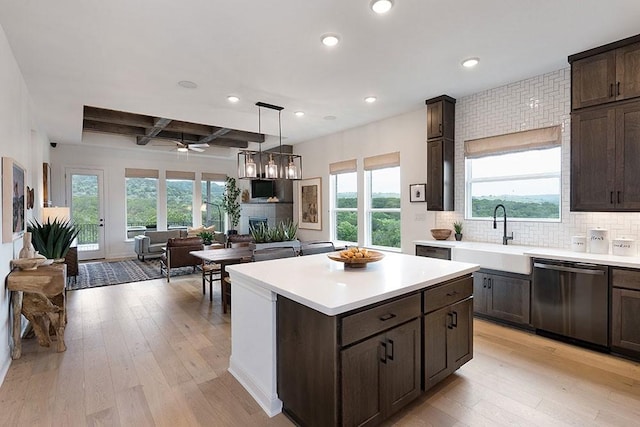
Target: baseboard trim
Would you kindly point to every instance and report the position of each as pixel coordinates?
(271, 405)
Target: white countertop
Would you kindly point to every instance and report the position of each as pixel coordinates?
(325, 285)
(539, 252)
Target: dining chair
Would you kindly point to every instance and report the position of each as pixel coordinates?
(311, 248)
(211, 272)
(225, 285)
(273, 253)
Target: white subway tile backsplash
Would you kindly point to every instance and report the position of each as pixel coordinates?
(528, 104)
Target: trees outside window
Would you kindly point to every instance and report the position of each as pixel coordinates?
(383, 207)
(142, 199)
(344, 207)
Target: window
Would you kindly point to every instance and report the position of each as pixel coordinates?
(383, 211)
(179, 199)
(212, 190)
(383, 200)
(142, 199)
(344, 207)
(526, 182)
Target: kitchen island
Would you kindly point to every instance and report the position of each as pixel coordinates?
(318, 317)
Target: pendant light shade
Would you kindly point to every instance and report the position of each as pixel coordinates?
(278, 165)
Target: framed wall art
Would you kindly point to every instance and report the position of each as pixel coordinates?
(417, 193)
(13, 200)
(309, 203)
(46, 184)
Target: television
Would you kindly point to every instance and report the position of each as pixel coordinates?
(262, 189)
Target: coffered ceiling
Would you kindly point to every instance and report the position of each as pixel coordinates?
(129, 56)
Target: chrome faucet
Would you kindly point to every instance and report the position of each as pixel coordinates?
(505, 238)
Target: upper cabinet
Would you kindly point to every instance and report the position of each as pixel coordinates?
(605, 127)
(606, 74)
(440, 153)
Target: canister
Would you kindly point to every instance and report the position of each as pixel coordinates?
(579, 243)
(624, 247)
(598, 241)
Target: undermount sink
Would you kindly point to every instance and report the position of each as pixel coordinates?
(495, 257)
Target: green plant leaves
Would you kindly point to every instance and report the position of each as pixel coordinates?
(52, 239)
(285, 231)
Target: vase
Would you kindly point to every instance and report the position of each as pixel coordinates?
(458, 236)
(27, 251)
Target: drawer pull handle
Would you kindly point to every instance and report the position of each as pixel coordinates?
(450, 294)
(387, 316)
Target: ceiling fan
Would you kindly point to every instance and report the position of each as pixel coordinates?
(183, 147)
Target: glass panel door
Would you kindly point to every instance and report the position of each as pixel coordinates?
(85, 196)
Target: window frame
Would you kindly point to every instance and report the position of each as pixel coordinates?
(369, 211)
(126, 202)
(334, 209)
(206, 183)
(193, 195)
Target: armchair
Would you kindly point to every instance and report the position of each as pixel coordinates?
(177, 254)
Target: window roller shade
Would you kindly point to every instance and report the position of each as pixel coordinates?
(181, 175)
(207, 176)
(346, 166)
(141, 173)
(382, 161)
(536, 139)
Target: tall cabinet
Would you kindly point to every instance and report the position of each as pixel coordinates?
(440, 153)
(605, 127)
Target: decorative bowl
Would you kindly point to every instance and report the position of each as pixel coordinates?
(440, 233)
(357, 262)
(29, 263)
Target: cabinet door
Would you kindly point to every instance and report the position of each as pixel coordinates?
(509, 298)
(436, 363)
(592, 80)
(625, 319)
(627, 195)
(440, 173)
(361, 382)
(460, 343)
(628, 72)
(480, 293)
(435, 122)
(593, 160)
(402, 366)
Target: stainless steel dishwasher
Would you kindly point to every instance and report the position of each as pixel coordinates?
(571, 300)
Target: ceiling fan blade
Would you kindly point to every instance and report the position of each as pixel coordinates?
(203, 145)
(196, 149)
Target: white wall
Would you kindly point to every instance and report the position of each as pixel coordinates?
(405, 133)
(532, 103)
(113, 162)
(20, 140)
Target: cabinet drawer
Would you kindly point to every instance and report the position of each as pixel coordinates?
(447, 294)
(369, 322)
(625, 279)
(433, 252)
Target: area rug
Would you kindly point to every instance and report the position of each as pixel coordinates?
(95, 274)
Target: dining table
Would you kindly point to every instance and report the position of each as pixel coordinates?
(224, 257)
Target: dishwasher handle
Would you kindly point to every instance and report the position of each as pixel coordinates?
(593, 272)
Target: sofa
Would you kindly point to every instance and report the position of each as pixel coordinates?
(151, 243)
(219, 238)
(178, 254)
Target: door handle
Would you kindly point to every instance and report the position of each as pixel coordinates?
(618, 90)
(390, 356)
(611, 90)
(619, 197)
(484, 282)
(611, 197)
(384, 352)
(450, 316)
(454, 319)
(489, 280)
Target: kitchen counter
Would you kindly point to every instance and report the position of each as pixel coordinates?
(533, 252)
(324, 285)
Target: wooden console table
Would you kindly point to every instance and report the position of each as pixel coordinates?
(39, 295)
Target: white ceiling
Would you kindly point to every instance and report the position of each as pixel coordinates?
(129, 55)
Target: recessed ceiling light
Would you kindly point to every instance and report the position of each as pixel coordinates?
(187, 84)
(183, 149)
(470, 62)
(299, 113)
(330, 39)
(233, 98)
(370, 99)
(381, 6)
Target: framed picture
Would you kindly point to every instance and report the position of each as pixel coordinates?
(13, 200)
(417, 193)
(46, 185)
(309, 204)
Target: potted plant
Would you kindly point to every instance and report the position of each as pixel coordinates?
(206, 236)
(53, 239)
(457, 227)
(230, 203)
(283, 234)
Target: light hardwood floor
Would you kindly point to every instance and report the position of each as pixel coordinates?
(152, 353)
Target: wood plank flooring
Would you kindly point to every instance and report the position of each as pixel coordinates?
(156, 354)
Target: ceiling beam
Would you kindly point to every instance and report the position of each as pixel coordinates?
(158, 124)
(93, 126)
(117, 117)
(215, 135)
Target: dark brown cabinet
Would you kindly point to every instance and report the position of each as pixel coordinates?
(440, 153)
(605, 146)
(606, 74)
(502, 296)
(381, 375)
(447, 330)
(433, 252)
(625, 311)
